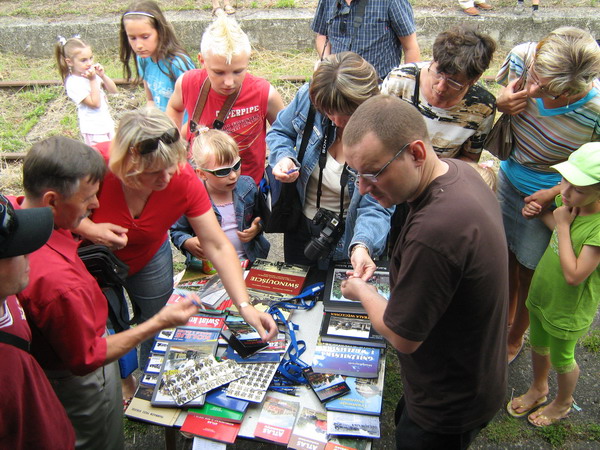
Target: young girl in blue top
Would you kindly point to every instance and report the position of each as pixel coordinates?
(233, 196)
(159, 57)
(565, 289)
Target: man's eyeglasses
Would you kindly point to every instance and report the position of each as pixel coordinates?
(151, 145)
(372, 177)
(224, 171)
(449, 81)
(532, 76)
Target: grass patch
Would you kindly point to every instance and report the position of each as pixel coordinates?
(556, 435)
(285, 4)
(20, 113)
(591, 342)
(506, 430)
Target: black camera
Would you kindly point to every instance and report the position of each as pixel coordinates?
(332, 228)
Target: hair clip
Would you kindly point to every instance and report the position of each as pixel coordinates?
(61, 40)
(139, 13)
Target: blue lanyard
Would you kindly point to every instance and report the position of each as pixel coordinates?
(291, 367)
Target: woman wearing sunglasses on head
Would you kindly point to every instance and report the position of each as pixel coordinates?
(555, 112)
(149, 186)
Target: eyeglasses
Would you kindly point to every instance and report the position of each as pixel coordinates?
(344, 12)
(372, 177)
(151, 145)
(224, 171)
(531, 75)
(449, 81)
(8, 220)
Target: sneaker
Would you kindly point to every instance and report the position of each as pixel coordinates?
(471, 11)
(536, 16)
(520, 9)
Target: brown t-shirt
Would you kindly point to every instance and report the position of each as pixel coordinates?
(449, 273)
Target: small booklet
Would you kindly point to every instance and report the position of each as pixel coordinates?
(310, 431)
(352, 425)
(243, 338)
(276, 420)
(327, 386)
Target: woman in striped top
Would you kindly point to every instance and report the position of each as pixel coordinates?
(555, 112)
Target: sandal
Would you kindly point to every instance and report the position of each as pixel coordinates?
(510, 410)
(548, 421)
(229, 9)
(214, 11)
(126, 403)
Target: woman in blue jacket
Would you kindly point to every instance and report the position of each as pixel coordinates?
(340, 84)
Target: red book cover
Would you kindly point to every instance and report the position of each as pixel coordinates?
(217, 430)
(205, 322)
(276, 420)
(277, 277)
(263, 280)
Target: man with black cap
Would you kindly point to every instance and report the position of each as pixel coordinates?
(31, 415)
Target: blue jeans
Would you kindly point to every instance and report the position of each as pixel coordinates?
(150, 288)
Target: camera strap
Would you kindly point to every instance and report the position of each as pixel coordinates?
(323, 162)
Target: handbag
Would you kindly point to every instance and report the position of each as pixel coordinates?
(500, 141)
(286, 207)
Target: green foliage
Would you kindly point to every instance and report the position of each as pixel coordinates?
(591, 342)
(506, 429)
(285, 4)
(254, 4)
(556, 435)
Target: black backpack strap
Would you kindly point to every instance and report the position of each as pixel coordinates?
(15, 341)
(415, 99)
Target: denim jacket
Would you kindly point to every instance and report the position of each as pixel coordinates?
(244, 197)
(367, 222)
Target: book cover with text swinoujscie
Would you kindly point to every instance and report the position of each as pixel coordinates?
(276, 420)
(350, 329)
(334, 301)
(276, 277)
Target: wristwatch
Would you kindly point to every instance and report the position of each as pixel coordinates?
(359, 245)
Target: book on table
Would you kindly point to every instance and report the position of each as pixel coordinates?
(242, 337)
(326, 386)
(177, 354)
(310, 430)
(334, 301)
(350, 329)
(359, 425)
(276, 420)
(346, 360)
(213, 429)
(365, 396)
(140, 408)
(211, 411)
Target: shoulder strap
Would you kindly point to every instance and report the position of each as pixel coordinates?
(201, 101)
(306, 134)
(415, 99)
(358, 20)
(15, 341)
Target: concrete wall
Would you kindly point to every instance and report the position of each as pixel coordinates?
(279, 29)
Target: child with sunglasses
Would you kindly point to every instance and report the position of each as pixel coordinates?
(233, 197)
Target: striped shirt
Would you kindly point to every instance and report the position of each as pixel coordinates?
(544, 136)
(377, 39)
(463, 126)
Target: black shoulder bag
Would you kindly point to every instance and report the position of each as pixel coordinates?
(286, 208)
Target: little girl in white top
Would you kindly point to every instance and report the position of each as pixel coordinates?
(83, 82)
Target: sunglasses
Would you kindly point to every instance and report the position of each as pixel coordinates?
(151, 145)
(224, 171)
